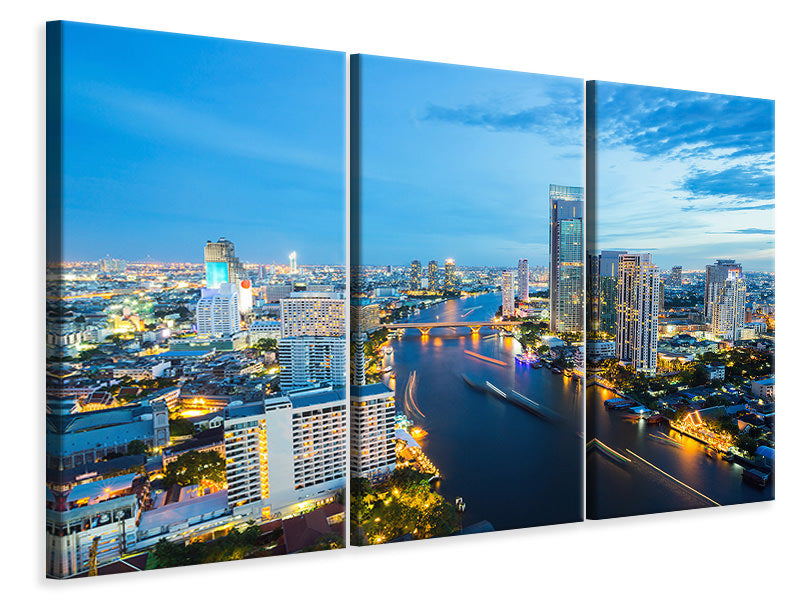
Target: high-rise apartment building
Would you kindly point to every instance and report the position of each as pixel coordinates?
(222, 265)
(716, 276)
(638, 285)
(372, 424)
(293, 263)
(313, 313)
(508, 293)
(285, 453)
(523, 280)
(433, 275)
(416, 274)
(217, 312)
(450, 279)
(312, 361)
(566, 258)
(727, 308)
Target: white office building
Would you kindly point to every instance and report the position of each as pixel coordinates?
(218, 311)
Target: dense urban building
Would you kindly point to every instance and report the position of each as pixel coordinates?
(433, 275)
(222, 265)
(313, 313)
(450, 277)
(416, 274)
(728, 307)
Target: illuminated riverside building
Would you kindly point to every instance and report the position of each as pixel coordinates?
(307, 361)
(638, 287)
(416, 273)
(313, 313)
(727, 307)
(508, 293)
(364, 318)
(286, 453)
(716, 276)
(566, 258)
(523, 280)
(222, 265)
(217, 312)
(433, 275)
(450, 279)
(372, 424)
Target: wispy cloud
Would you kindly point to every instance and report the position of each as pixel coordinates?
(743, 182)
(658, 121)
(560, 120)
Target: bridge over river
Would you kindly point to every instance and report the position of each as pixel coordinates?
(475, 326)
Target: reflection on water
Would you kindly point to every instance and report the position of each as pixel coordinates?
(511, 467)
(668, 471)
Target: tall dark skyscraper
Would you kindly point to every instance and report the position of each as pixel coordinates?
(416, 273)
(450, 279)
(566, 258)
(433, 275)
(523, 280)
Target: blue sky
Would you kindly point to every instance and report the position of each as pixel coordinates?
(171, 140)
(457, 161)
(688, 176)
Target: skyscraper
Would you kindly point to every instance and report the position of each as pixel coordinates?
(676, 276)
(508, 293)
(566, 258)
(716, 276)
(638, 286)
(433, 275)
(217, 312)
(416, 273)
(293, 263)
(222, 265)
(450, 279)
(727, 308)
(523, 279)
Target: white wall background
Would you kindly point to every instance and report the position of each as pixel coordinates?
(732, 47)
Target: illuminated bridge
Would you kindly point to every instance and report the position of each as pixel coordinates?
(475, 326)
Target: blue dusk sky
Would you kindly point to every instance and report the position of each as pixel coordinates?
(171, 140)
(688, 176)
(457, 161)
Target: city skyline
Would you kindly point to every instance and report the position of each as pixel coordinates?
(686, 176)
(450, 152)
(191, 138)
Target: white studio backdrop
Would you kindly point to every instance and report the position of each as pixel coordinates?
(733, 47)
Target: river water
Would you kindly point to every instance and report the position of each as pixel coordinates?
(510, 467)
(634, 488)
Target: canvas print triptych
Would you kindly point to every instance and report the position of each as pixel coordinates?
(558, 303)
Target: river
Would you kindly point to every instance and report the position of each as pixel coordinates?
(635, 488)
(510, 467)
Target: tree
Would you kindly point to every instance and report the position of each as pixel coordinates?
(180, 427)
(137, 447)
(195, 467)
(266, 344)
